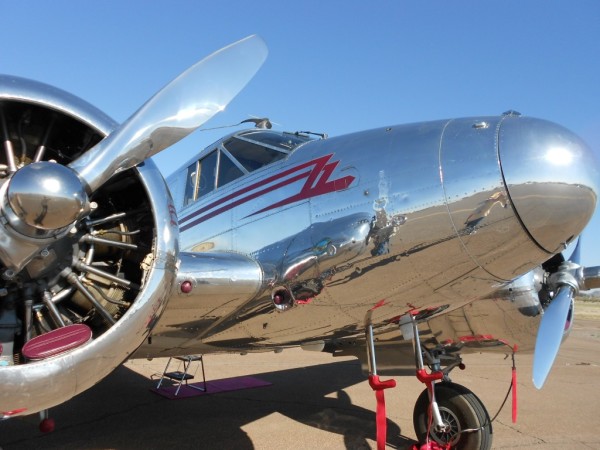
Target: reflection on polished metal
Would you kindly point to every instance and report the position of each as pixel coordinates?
(175, 111)
(17, 89)
(490, 235)
(412, 235)
(456, 225)
(44, 198)
(178, 109)
(552, 179)
(47, 196)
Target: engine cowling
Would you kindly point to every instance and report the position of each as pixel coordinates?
(112, 273)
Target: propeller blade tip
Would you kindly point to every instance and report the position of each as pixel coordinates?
(550, 334)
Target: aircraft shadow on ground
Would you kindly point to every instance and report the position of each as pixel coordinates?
(121, 413)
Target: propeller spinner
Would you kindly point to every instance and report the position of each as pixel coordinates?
(46, 196)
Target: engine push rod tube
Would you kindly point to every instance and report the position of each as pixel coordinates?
(73, 280)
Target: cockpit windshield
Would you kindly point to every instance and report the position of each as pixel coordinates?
(283, 141)
(242, 153)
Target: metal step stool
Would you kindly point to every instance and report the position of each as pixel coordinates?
(182, 374)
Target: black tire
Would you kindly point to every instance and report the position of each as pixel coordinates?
(461, 410)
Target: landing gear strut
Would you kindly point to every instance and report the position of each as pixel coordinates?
(446, 413)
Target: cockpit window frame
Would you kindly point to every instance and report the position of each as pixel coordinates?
(192, 194)
(233, 159)
(298, 139)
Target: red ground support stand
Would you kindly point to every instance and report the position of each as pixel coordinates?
(381, 418)
(378, 386)
(429, 380)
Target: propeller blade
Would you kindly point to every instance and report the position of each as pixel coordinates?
(175, 111)
(576, 255)
(550, 334)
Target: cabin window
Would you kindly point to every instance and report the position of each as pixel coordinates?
(208, 174)
(228, 171)
(191, 184)
(201, 178)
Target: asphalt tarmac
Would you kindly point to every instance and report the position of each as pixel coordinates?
(318, 402)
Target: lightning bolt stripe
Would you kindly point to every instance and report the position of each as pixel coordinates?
(317, 183)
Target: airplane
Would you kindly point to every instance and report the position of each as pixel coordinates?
(406, 246)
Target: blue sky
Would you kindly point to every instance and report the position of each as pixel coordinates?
(333, 67)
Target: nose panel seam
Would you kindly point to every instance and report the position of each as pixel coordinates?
(447, 203)
(506, 189)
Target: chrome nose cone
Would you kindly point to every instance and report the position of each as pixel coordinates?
(552, 177)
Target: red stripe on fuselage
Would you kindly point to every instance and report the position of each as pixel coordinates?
(320, 174)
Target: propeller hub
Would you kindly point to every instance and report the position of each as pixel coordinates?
(47, 196)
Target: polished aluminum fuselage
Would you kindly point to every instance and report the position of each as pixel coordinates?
(454, 224)
(399, 219)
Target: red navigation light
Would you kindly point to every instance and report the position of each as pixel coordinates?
(186, 287)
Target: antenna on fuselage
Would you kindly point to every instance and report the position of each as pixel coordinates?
(263, 123)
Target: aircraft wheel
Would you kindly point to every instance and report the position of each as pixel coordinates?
(460, 410)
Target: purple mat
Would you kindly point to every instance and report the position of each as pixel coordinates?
(212, 387)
